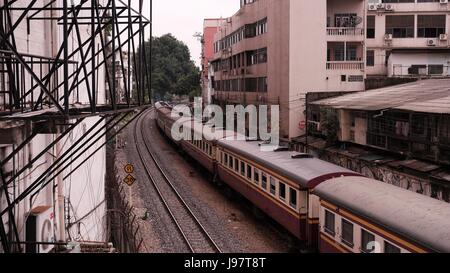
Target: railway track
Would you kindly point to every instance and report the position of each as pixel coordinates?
(194, 234)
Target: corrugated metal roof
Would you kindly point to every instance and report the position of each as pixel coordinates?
(420, 218)
(428, 96)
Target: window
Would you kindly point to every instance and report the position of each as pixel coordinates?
(370, 58)
(236, 165)
(367, 241)
(330, 223)
(430, 26)
(389, 248)
(273, 186)
(347, 233)
(256, 176)
(371, 27)
(242, 168)
(226, 160)
(249, 172)
(231, 162)
(293, 198)
(282, 192)
(351, 54)
(436, 69)
(400, 26)
(264, 181)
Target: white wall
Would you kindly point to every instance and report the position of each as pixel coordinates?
(408, 59)
(86, 187)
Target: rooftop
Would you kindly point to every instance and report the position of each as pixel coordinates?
(426, 96)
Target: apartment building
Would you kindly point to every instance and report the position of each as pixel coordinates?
(276, 51)
(210, 28)
(408, 38)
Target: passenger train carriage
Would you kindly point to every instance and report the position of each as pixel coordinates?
(329, 207)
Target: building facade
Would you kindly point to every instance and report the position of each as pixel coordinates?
(210, 28)
(275, 52)
(408, 38)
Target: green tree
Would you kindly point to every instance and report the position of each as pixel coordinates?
(173, 71)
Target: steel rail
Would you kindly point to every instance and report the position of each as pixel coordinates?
(190, 213)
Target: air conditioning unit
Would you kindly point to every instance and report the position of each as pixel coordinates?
(381, 6)
(423, 71)
(40, 228)
(443, 37)
(431, 42)
(372, 7)
(443, 1)
(388, 37)
(389, 7)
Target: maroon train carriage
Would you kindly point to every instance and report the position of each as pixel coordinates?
(277, 182)
(360, 215)
(203, 147)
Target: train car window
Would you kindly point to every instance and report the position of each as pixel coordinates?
(282, 191)
(293, 198)
(273, 186)
(330, 223)
(210, 150)
(249, 172)
(225, 158)
(236, 165)
(389, 248)
(264, 181)
(347, 233)
(231, 162)
(242, 168)
(256, 176)
(367, 241)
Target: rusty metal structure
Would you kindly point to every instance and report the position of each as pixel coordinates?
(42, 94)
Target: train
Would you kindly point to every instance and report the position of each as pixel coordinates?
(328, 208)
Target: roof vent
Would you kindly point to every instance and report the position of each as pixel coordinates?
(265, 143)
(281, 149)
(301, 156)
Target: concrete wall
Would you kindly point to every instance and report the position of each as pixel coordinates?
(307, 54)
(399, 63)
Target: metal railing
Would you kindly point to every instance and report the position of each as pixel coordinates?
(345, 65)
(399, 70)
(345, 31)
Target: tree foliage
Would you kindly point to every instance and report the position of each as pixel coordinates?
(173, 71)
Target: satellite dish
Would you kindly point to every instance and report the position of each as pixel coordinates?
(356, 20)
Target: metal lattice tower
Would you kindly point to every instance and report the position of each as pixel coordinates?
(56, 92)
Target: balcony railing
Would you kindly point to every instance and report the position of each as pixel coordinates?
(399, 70)
(345, 31)
(345, 65)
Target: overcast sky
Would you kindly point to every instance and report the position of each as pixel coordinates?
(183, 18)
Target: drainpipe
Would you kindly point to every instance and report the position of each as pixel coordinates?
(60, 187)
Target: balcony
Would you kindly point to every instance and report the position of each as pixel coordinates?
(345, 65)
(345, 31)
(339, 34)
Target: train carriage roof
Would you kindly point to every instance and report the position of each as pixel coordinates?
(307, 172)
(211, 133)
(417, 217)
